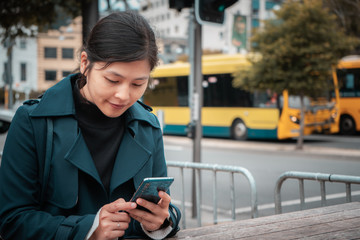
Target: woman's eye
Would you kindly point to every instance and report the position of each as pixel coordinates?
(110, 80)
(138, 84)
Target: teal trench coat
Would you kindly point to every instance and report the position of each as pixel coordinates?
(74, 192)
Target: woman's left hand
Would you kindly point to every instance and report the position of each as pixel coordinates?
(153, 220)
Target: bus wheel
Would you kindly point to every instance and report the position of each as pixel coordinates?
(347, 125)
(239, 130)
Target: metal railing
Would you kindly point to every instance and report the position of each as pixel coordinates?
(198, 167)
(321, 177)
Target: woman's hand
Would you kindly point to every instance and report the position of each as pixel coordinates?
(153, 220)
(113, 220)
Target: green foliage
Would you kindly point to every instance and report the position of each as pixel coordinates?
(347, 13)
(297, 50)
(18, 18)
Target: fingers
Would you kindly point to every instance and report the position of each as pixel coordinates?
(113, 219)
(165, 199)
(110, 230)
(119, 205)
(164, 202)
(152, 220)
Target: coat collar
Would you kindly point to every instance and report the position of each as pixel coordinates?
(58, 101)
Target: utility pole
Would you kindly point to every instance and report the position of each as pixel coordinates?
(9, 78)
(201, 12)
(90, 15)
(196, 97)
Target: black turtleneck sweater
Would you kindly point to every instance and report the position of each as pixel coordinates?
(102, 135)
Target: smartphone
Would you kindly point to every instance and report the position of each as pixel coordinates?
(150, 187)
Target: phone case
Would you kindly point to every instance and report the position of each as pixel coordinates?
(150, 187)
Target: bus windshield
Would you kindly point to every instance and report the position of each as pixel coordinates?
(294, 102)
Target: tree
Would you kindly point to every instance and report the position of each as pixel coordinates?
(18, 17)
(295, 52)
(26, 18)
(347, 13)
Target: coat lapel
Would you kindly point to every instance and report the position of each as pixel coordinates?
(129, 161)
(80, 157)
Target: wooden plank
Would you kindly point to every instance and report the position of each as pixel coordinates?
(275, 223)
(284, 230)
(339, 235)
(351, 227)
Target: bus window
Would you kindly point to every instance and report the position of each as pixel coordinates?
(265, 99)
(219, 92)
(172, 89)
(349, 82)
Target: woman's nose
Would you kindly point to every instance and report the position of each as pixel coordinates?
(122, 92)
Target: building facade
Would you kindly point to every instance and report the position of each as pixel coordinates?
(40, 62)
(172, 27)
(23, 64)
(58, 53)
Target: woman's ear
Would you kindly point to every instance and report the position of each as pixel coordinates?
(83, 62)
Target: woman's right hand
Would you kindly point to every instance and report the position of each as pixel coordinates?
(113, 220)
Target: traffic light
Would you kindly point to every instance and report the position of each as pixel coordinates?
(212, 10)
(180, 4)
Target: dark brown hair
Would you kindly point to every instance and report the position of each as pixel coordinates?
(120, 37)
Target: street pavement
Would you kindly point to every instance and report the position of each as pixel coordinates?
(286, 147)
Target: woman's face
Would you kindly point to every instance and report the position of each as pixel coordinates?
(117, 87)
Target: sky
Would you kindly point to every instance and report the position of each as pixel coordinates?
(118, 4)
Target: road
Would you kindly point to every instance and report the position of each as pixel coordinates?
(267, 160)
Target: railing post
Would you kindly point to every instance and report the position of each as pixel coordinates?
(198, 195)
(214, 197)
(232, 196)
(348, 192)
(323, 193)
(183, 197)
(302, 194)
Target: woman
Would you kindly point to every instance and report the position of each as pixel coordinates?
(72, 160)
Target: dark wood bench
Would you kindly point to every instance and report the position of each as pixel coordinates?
(332, 222)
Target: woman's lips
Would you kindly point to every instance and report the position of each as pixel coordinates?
(117, 106)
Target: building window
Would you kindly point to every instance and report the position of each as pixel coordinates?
(66, 73)
(50, 52)
(23, 72)
(68, 53)
(23, 43)
(50, 75)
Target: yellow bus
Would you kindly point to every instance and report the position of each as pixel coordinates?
(232, 112)
(347, 75)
